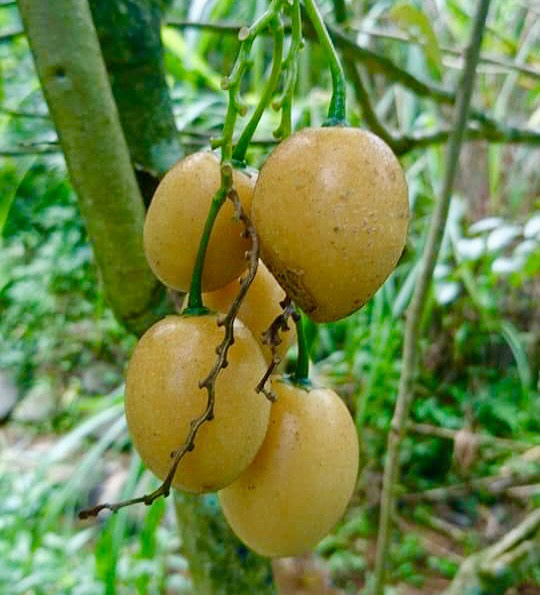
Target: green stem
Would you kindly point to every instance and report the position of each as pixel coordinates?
(337, 109)
(301, 374)
(290, 67)
(195, 303)
(240, 150)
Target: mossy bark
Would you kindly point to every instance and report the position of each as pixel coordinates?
(74, 80)
(219, 563)
(129, 34)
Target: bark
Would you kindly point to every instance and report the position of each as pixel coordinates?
(129, 34)
(74, 80)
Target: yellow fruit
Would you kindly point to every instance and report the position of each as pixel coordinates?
(259, 308)
(331, 210)
(302, 478)
(163, 397)
(175, 221)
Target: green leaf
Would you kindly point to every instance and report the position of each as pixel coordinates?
(416, 23)
(6, 201)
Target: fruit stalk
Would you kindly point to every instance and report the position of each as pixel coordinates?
(414, 314)
(235, 106)
(301, 374)
(239, 153)
(337, 108)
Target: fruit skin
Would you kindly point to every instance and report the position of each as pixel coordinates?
(259, 308)
(331, 210)
(163, 397)
(302, 478)
(175, 221)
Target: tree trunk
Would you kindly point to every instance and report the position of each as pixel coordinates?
(129, 34)
(219, 563)
(73, 77)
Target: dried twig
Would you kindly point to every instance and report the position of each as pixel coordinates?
(209, 382)
(272, 338)
(495, 484)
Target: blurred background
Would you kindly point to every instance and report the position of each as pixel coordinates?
(470, 463)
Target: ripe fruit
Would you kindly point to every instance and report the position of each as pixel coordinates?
(302, 478)
(175, 221)
(259, 308)
(163, 397)
(331, 209)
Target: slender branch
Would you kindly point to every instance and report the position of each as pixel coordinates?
(494, 484)
(430, 430)
(11, 34)
(29, 151)
(21, 114)
(432, 546)
(423, 283)
(368, 111)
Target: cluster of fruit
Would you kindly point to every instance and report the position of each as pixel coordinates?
(331, 211)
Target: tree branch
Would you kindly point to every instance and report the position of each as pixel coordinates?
(419, 298)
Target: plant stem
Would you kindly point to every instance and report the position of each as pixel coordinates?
(239, 153)
(301, 374)
(290, 67)
(195, 305)
(337, 109)
(232, 84)
(415, 310)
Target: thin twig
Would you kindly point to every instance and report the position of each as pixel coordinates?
(29, 151)
(9, 35)
(495, 484)
(430, 430)
(22, 114)
(419, 298)
(209, 383)
(272, 338)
